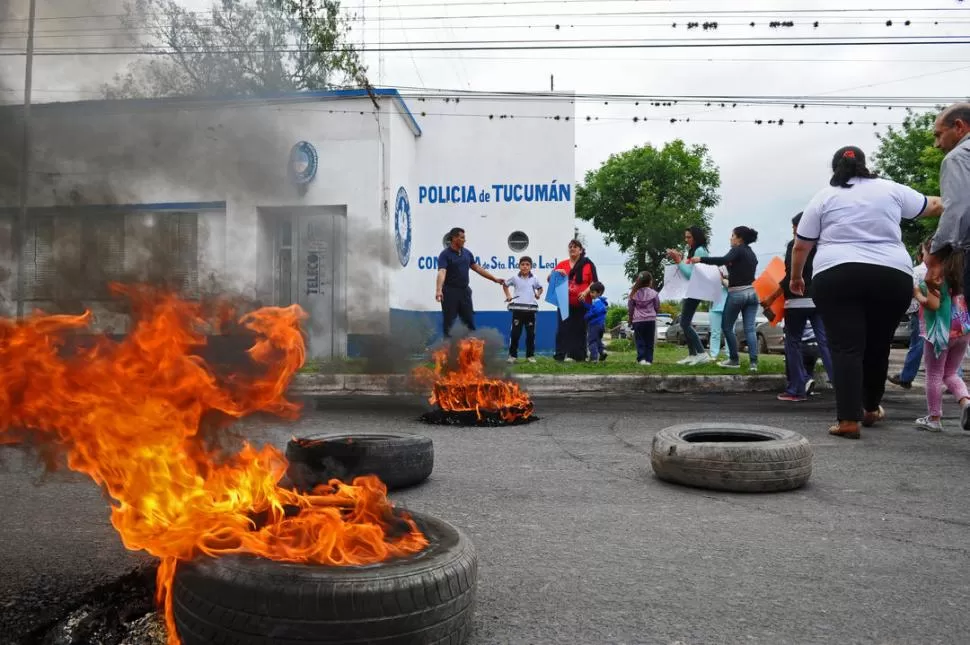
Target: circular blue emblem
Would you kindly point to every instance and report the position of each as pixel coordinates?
(303, 162)
(402, 226)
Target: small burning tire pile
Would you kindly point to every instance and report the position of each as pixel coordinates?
(739, 458)
(398, 460)
(424, 599)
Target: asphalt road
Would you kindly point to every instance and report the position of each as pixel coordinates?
(579, 543)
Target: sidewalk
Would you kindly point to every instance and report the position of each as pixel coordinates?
(573, 385)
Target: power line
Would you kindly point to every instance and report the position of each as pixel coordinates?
(653, 44)
(738, 12)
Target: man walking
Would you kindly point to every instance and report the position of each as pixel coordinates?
(951, 134)
(451, 289)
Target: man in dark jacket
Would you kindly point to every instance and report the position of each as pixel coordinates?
(798, 311)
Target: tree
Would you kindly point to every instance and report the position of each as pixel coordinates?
(239, 48)
(907, 156)
(644, 198)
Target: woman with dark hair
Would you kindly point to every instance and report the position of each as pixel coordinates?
(863, 278)
(571, 333)
(742, 300)
(696, 240)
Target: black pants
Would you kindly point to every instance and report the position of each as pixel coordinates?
(645, 335)
(571, 335)
(526, 319)
(861, 305)
(456, 302)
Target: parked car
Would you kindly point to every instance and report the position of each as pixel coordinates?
(663, 322)
(701, 324)
(623, 330)
(901, 337)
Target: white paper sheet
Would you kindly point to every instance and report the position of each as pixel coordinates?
(675, 284)
(705, 283)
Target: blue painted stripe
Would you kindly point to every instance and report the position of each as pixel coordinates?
(429, 322)
(160, 206)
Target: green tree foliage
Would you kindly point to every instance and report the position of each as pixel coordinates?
(615, 315)
(907, 156)
(237, 48)
(644, 198)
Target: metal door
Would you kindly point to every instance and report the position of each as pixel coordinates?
(313, 245)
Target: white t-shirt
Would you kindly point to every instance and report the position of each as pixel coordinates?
(524, 289)
(919, 274)
(861, 223)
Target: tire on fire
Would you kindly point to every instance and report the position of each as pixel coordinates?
(423, 599)
(732, 457)
(399, 460)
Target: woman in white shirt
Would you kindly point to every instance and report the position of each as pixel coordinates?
(863, 278)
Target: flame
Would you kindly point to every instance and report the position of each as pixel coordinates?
(128, 415)
(461, 385)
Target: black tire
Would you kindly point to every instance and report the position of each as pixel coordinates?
(399, 460)
(242, 600)
(737, 457)
(762, 344)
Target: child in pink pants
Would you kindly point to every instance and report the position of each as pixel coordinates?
(945, 326)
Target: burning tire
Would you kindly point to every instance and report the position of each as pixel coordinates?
(424, 599)
(398, 460)
(740, 458)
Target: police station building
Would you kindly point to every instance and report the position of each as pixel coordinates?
(337, 201)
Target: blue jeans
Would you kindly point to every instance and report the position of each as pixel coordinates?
(717, 318)
(744, 303)
(594, 339)
(798, 375)
(687, 311)
(915, 354)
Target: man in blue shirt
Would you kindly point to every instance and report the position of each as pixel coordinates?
(452, 289)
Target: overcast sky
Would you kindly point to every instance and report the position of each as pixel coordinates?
(768, 172)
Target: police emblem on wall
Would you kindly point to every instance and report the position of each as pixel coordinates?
(303, 163)
(402, 226)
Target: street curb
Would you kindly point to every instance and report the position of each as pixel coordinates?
(573, 385)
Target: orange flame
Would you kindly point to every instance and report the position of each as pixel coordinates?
(462, 386)
(128, 415)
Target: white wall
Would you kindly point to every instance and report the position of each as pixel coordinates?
(462, 146)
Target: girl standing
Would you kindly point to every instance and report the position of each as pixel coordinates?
(717, 318)
(642, 308)
(696, 240)
(945, 327)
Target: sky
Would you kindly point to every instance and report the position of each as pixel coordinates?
(768, 172)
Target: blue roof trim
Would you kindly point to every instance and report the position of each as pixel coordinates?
(160, 206)
(388, 92)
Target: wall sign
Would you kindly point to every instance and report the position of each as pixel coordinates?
(303, 162)
(402, 226)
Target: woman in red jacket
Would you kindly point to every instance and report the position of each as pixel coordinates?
(571, 334)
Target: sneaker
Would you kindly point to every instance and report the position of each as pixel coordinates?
(870, 419)
(794, 398)
(810, 387)
(895, 380)
(642, 363)
(701, 359)
(687, 361)
(603, 356)
(753, 367)
(531, 359)
(929, 425)
(511, 359)
(570, 360)
(729, 364)
(965, 416)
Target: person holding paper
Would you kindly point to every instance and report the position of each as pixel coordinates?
(696, 240)
(742, 300)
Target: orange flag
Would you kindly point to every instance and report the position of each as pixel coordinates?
(768, 283)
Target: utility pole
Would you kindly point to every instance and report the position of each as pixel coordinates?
(25, 166)
(552, 82)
